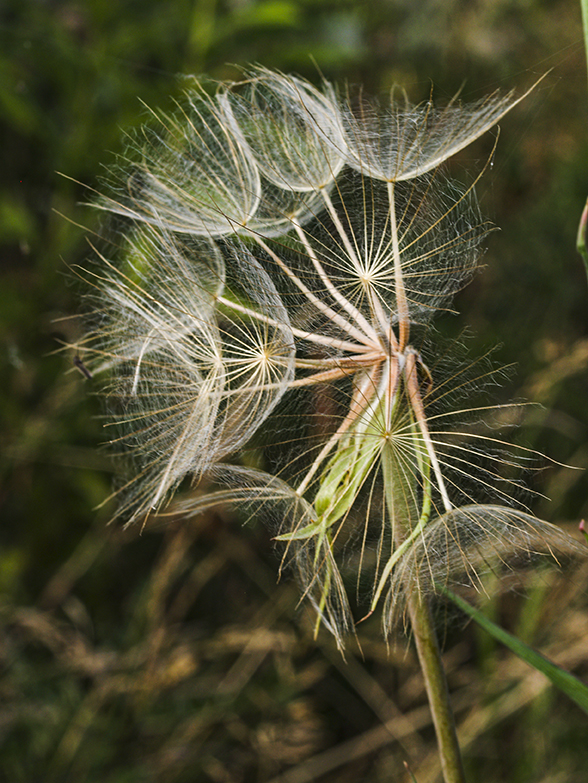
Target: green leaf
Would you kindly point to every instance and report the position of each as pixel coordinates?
(275, 13)
(563, 680)
(17, 223)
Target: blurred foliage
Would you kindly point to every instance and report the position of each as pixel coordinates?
(174, 656)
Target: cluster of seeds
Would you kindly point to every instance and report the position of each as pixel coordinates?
(278, 241)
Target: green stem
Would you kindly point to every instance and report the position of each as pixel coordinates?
(582, 240)
(436, 685)
(581, 243)
(398, 496)
(584, 7)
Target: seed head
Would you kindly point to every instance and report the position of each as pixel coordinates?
(281, 246)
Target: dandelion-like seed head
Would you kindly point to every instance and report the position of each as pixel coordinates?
(400, 142)
(187, 173)
(292, 129)
(282, 246)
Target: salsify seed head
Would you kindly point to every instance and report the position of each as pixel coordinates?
(281, 256)
(292, 130)
(398, 142)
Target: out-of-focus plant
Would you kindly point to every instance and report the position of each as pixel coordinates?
(283, 252)
(582, 241)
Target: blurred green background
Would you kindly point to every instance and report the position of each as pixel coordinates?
(175, 655)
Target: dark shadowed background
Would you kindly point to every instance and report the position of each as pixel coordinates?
(176, 655)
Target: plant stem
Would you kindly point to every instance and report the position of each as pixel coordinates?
(584, 7)
(582, 228)
(404, 514)
(436, 685)
(581, 241)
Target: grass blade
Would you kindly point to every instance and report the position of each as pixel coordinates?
(566, 682)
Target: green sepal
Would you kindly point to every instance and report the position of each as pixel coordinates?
(344, 476)
(304, 532)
